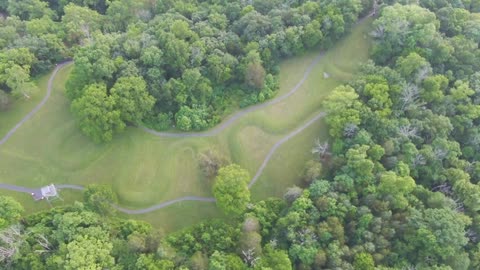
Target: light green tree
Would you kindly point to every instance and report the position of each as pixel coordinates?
(273, 259)
(97, 115)
(363, 261)
(231, 190)
(100, 198)
(10, 211)
(86, 252)
(395, 187)
(343, 107)
(132, 99)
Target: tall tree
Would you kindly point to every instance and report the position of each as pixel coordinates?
(100, 198)
(231, 190)
(97, 115)
(132, 99)
(86, 252)
(343, 108)
(10, 211)
(80, 23)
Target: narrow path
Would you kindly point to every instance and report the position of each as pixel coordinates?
(186, 198)
(39, 105)
(230, 120)
(17, 188)
(208, 133)
(279, 143)
(162, 205)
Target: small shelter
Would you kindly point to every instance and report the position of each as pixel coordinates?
(48, 193)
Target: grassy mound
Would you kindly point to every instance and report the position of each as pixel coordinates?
(144, 169)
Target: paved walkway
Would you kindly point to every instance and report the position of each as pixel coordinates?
(18, 188)
(231, 119)
(182, 199)
(38, 107)
(162, 205)
(212, 132)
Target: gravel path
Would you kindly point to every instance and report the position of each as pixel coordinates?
(212, 132)
(39, 105)
(208, 133)
(229, 121)
(162, 205)
(186, 198)
(119, 208)
(279, 143)
(17, 188)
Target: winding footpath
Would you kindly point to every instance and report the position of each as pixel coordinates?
(39, 105)
(229, 121)
(212, 132)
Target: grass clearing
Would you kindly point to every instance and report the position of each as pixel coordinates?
(145, 170)
(180, 215)
(22, 107)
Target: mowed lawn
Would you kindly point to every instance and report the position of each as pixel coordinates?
(20, 108)
(144, 169)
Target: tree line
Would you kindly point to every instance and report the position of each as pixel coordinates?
(189, 62)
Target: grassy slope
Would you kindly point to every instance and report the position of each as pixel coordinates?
(340, 63)
(22, 107)
(144, 169)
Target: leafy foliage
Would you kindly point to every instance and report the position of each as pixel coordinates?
(400, 189)
(10, 211)
(97, 114)
(230, 189)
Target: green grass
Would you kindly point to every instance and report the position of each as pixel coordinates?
(21, 107)
(180, 215)
(144, 169)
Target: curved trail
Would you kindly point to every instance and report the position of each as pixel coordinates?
(162, 205)
(39, 105)
(212, 132)
(17, 188)
(208, 133)
(232, 118)
(186, 198)
(279, 143)
(229, 121)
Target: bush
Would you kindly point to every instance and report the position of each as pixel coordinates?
(311, 171)
(211, 161)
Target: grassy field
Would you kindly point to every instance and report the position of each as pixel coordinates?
(144, 169)
(22, 107)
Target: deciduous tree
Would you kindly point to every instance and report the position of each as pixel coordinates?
(97, 115)
(10, 211)
(231, 190)
(131, 99)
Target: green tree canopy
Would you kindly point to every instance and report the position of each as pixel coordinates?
(10, 211)
(97, 115)
(231, 190)
(132, 99)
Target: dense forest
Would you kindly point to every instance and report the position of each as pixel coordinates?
(398, 186)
